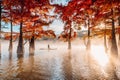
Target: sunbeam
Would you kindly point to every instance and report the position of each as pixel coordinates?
(99, 54)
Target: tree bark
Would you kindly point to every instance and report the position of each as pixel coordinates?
(20, 49)
(32, 46)
(105, 43)
(0, 25)
(114, 49)
(89, 41)
(119, 26)
(11, 39)
(69, 39)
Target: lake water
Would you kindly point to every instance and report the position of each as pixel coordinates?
(58, 64)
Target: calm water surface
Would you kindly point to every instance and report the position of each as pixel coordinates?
(58, 64)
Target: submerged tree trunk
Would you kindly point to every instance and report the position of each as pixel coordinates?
(89, 41)
(11, 39)
(69, 39)
(119, 27)
(32, 46)
(105, 43)
(114, 49)
(20, 48)
(0, 25)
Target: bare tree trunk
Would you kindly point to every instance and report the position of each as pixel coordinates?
(20, 49)
(119, 26)
(11, 39)
(32, 46)
(89, 41)
(105, 43)
(69, 39)
(0, 25)
(114, 49)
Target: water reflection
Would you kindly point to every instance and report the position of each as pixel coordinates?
(76, 64)
(25, 68)
(19, 67)
(102, 64)
(10, 55)
(0, 68)
(20, 55)
(67, 66)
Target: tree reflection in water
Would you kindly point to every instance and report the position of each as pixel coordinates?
(59, 65)
(67, 66)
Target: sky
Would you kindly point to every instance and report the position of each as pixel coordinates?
(56, 26)
(6, 27)
(63, 2)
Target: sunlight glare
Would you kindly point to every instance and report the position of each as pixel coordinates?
(99, 55)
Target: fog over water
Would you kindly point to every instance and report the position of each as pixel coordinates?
(59, 63)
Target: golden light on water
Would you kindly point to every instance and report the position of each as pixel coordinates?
(99, 55)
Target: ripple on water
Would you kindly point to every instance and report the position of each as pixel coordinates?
(55, 65)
